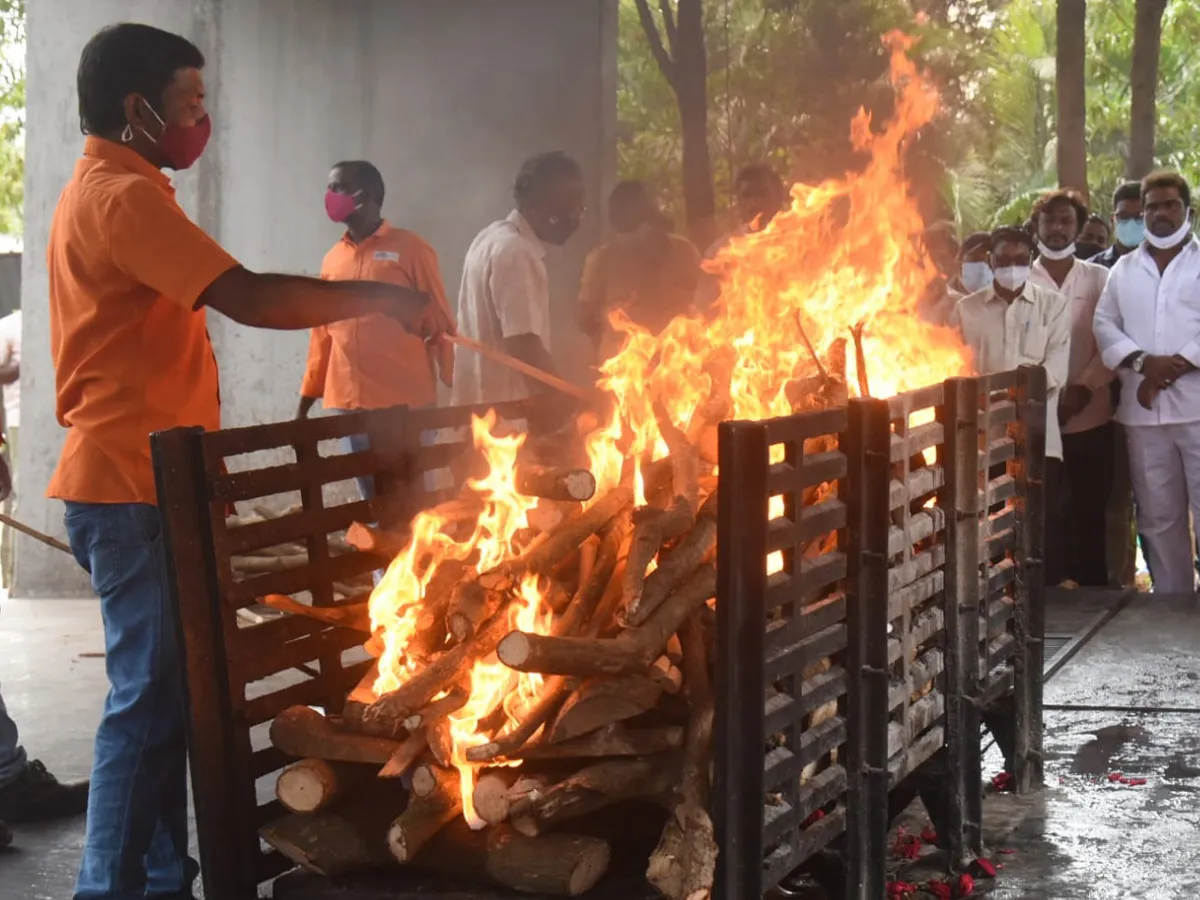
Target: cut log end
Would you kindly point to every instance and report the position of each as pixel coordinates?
(311, 785)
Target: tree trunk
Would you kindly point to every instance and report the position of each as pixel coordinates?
(1143, 86)
(683, 60)
(1072, 95)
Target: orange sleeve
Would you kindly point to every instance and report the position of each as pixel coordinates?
(153, 241)
(427, 276)
(320, 343)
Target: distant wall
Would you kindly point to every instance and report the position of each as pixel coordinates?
(446, 98)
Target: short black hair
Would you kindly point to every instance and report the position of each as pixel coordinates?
(539, 170)
(366, 175)
(629, 192)
(1167, 179)
(128, 59)
(761, 173)
(1010, 233)
(1130, 190)
(1062, 195)
(1101, 221)
(974, 241)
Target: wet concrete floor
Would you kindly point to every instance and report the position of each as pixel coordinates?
(1085, 837)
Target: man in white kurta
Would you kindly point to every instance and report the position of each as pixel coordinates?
(1147, 326)
(1014, 322)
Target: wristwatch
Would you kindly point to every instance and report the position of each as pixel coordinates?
(1138, 362)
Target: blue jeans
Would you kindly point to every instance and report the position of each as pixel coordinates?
(137, 828)
(12, 754)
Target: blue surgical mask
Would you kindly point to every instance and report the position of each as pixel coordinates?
(976, 276)
(1130, 232)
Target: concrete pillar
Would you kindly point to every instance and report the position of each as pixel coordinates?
(446, 98)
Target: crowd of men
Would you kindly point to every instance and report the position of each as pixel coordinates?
(131, 280)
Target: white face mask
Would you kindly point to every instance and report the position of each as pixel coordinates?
(976, 276)
(1065, 252)
(1166, 243)
(1012, 278)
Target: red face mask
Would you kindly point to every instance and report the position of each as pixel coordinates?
(181, 145)
(339, 207)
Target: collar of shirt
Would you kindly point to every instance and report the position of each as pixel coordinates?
(127, 158)
(992, 296)
(380, 233)
(526, 231)
(1146, 260)
(1073, 274)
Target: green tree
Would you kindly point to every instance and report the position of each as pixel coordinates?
(12, 115)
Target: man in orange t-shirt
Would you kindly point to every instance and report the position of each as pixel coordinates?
(130, 280)
(372, 362)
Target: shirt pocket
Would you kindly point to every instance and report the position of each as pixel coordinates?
(1034, 338)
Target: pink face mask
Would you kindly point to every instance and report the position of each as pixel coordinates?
(181, 145)
(339, 207)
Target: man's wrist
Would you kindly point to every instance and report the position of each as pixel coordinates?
(1134, 361)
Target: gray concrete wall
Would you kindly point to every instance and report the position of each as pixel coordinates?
(446, 98)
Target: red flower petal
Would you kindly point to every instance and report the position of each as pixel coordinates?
(896, 890)
(1007, 852)
(1003, 782)
(928, 835)
(1116, 776)
(966, 885)
(939, 889)
(1135, 782)
(817, 816)
(986, 869)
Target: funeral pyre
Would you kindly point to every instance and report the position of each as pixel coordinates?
(543, 641)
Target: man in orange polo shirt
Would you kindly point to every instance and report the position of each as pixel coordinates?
(130, 279)
(372, 362)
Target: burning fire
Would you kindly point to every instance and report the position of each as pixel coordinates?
(847, 254)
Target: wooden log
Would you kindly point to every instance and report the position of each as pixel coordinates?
(554, 693)
(314, 784)
(451, 667)
(437, 710)
(634, 651)
(355, 616)
(674, 650)
(697, 546)
(594, 787)
(589, 550)
(553, 865)
(649, 535)
(616, 739)
(430, 634)
(544, 555)
(555, 483)
(305, 733)
(685, 460)
(667, 676)
(441, 742)
(406, 755)
(497, 789)
(601, 701)
(470, 606)
(349, 837)
(591, 591)
(253, 565)
(425, 816)
(683, 866)
(428, 779)
(558, 864)
(386, 545)
(547, 516)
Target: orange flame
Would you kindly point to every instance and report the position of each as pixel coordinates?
(847, 253)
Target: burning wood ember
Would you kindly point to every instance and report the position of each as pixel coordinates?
(540, 639)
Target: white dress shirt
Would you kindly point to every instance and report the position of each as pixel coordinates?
(505, 292)
(1082, 287)
(1033, 330)
(1159, 314)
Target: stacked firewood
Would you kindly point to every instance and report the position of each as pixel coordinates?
(625, 708)
(624, 712)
